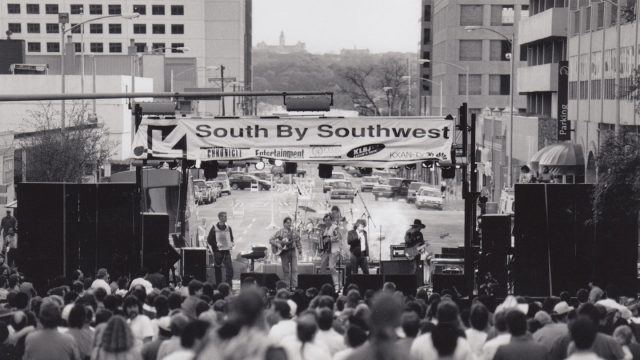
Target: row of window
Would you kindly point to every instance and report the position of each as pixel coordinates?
(94, 9)
(471, 50)
(501, 15)
(593, 17)
(114, 47)
(54, 28)
(600, 89)
(498, 84)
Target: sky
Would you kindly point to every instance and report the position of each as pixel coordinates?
(327, 26)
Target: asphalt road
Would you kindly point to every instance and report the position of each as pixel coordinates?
(255, 216)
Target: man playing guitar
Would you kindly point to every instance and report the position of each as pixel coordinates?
(286, 243)
(415, 245)
(329, 247)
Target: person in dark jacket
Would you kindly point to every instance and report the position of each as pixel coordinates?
(221, 241)
(359, 247)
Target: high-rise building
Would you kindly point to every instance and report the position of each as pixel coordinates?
(484, 53)
(425, 87)
(216, 32)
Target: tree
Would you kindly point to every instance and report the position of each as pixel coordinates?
(63, 155)
(358, 84)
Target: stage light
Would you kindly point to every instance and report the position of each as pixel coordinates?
(278, 162)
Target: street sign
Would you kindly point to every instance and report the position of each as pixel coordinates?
(63, 18)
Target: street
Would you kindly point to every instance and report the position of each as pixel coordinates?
(255, 215)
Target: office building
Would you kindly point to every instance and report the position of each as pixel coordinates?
(425, 87)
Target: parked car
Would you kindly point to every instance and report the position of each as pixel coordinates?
(382, 174)
(429, 196)
(223, 185)
(353, 171)
(245, 182)
(368, 182)
(214, 190)
(393, 188)
(263, 175)
(335, 176)
(413, 190)
(202, 192)
(342, 189)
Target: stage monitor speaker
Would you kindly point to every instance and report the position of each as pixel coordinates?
(455, 283)
(155, 242)
(306, 281)
(194, 263)
(397, 267)
(405, 283)
(366, 282)
(267, 280)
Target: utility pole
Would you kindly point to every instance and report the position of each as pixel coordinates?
(222, 86)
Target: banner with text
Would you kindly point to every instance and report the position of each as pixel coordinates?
(365, 141)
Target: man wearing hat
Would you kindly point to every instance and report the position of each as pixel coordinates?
(551, 331)
(359, 248)
(414, 243)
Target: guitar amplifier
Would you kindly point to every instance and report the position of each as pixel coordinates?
(444, 266)
(397, 252)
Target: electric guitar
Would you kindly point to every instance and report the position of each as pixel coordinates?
(281, 245)
(419, 249)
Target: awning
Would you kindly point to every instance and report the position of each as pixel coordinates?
(563, 157)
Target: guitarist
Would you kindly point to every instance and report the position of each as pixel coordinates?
(414, 243)
(286, 243)
(359, 248)
(329, 247)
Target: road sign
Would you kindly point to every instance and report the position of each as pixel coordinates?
(63, 18)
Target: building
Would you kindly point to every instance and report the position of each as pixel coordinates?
(593, 59)
(425, 86)
(482, 52)
(216, 32)
(282, 47)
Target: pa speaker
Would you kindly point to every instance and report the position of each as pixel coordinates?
(324, 171)
(194, 263)
(156, 250)
(454, 283)
(398, 267)
(267, 280)
(306, 281)
(290, 168)
(366, 282)
(405, 283)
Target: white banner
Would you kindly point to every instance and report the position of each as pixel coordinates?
(362, 141)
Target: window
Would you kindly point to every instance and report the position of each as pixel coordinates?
(95, 28)
(77, 9)
(139, 28)
(77, 47)
(52, 28)
(475, 84)
(426, 36)
(115, 10)
(53, 47)
(141, 47)
(524, 11)
(523, 53)
(33, 28)
(157, 28)
(15, 28)
(599, 14)
(174, 47)
(498, 50)
(95, 9)
(115, 29)
(177, 29)
(470, 50)
(426, 16)
(33, 47)
(140, 9)
(76, 29)
(502, 15)
(158, 47)
(51, 8)
(96, 47)
(470, 15)
(499, 84)
(157, 9)
(33, 8)
(15, 9)
(115, 47)
(177, 10)
(426, 55)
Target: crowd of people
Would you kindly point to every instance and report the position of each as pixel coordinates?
(147, 318)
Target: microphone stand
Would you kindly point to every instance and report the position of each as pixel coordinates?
(370, 221)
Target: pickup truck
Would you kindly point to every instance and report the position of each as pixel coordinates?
(393, 188)
(336, 176)
(342, 190)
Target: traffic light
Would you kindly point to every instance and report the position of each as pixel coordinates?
(448, 172)
(210, 169)
(137, 114)
(290, 168)
(325, 170)
(308, 103)
(463, 126)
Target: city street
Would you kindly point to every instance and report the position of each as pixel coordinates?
(253, 214)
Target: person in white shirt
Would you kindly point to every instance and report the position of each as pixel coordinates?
(326, 334)
(102, 281)
(140, 324)
(302, 346)
(477, 333)
(490, 347)
(177, 325)
(285, 326)
(190, 340)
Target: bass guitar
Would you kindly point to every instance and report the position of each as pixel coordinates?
(281, 245)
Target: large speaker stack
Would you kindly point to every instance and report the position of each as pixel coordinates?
(495, 247)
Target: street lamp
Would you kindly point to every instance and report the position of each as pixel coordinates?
(432, 82)
(205, 68)
(62, 50)
(511, 41)
(618, 128)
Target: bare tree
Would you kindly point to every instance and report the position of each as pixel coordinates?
(63, 155)
(360, 87)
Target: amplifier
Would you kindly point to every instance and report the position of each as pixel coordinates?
(443, 266)
(397, 252)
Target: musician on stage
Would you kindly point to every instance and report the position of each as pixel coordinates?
(359, 248)
(329, 247)
(414, 243)
(286, 243)
(221, 241)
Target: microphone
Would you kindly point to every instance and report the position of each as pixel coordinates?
(299, 192)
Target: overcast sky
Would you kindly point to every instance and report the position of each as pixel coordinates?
(331, 25)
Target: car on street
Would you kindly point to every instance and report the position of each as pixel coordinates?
(413, 190)
(342, 190)
(223, 185)
(368, 182)
(428, 196)
(239, 182)
(393, 188)
(263, 175)
(335, 176)
(202, 192)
